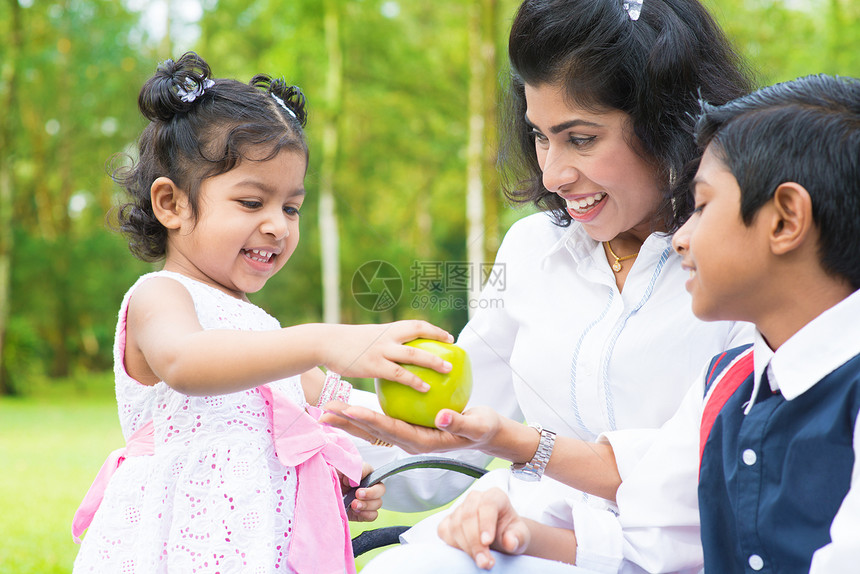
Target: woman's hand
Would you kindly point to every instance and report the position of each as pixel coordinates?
(378, 351)
(368, 501)
(476, 428)
(483, 521)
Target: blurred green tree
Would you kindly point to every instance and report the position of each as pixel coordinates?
(67, 83)
(785, 39)
(392, 146)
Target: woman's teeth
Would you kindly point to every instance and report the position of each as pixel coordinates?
(259, 255)
(583, 204)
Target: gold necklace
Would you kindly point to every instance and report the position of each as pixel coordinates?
(617, 265)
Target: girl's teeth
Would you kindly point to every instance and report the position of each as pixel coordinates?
(260, 255)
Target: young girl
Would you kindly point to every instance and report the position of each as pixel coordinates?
(241, 477)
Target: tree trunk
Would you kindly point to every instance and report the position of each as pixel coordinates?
(165, 47)
(7, 130)
(480, 146)
(329, 238)
(491, 145)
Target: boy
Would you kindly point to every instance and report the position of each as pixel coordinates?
(778, 435)
(774, 240)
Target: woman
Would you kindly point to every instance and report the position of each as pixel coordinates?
(592, 329)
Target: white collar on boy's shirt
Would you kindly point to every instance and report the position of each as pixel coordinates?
(816, 350)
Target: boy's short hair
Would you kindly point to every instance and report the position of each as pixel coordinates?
(805, 131)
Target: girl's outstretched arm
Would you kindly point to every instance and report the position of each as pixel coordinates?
(166, 342)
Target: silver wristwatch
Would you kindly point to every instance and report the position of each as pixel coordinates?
(532, 471)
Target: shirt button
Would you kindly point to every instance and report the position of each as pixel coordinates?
(749, 457)
(756, 562)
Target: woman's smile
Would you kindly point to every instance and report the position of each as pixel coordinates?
(584, 208)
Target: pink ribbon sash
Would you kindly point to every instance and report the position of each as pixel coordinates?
(316, 451)
(140, 443)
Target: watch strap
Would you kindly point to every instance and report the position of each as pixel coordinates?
(533, 470)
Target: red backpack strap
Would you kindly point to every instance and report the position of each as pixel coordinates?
(725, 375)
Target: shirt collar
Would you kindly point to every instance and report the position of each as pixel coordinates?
(762, 357)
(581, 246)
(816, 350)
(567, 236)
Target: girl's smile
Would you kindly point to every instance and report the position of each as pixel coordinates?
(259, 255)
(259, 259)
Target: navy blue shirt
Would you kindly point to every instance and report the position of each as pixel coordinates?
(772, 480)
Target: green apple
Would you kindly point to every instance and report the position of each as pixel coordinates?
(447, 391)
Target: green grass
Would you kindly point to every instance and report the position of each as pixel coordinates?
(51, 446)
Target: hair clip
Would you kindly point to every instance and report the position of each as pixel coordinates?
(633, 8)
(284, 105)
(193, 90)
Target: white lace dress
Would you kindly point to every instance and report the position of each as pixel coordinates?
(213, 497)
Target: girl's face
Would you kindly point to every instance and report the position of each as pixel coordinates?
(586, 158)
(248, 225)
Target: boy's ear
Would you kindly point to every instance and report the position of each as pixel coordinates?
(169, 203)
(792, 218)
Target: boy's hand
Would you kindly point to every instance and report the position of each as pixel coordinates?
(368, 501)
(483, 521)
(378, 351)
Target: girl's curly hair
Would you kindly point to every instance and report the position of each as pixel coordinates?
(200, 127)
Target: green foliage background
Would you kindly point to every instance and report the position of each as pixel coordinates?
(70, 71)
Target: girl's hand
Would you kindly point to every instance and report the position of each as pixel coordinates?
(367, 501)
(378, 351)
(477, 428)
(483, 521)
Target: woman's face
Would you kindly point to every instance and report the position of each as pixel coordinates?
(587, 160)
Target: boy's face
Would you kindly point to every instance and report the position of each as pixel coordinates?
(727, 260)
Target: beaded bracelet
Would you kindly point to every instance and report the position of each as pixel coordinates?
(334, 389)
